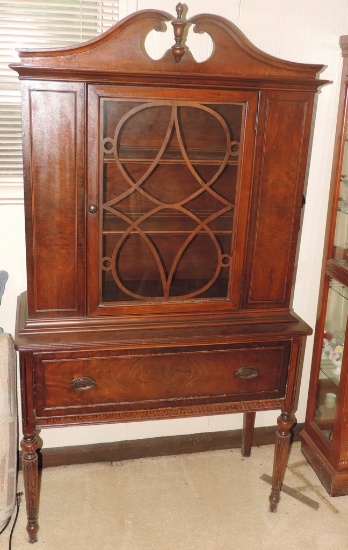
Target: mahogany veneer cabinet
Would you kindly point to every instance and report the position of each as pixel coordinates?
(163, 203)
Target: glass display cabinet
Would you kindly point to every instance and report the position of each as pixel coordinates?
(163, 208)
(325, 436)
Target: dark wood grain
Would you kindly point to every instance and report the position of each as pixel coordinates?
(29, 446)
(248, 432)
(163, 202)
(281, 453)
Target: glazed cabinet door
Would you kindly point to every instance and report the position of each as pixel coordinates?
(325, 436)
(330, 405)
(339, 254)
(169, 179)
(332, 362)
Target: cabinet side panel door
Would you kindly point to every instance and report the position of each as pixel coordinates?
(282, 142)
(54, 190)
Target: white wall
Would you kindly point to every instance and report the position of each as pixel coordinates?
(291, 29)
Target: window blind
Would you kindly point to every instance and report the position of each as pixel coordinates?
(38, 24)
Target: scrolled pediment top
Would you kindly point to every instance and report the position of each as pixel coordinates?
(121, 50)
(146, 20)
(226, 34)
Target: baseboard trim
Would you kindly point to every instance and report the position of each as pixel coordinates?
(157, 446)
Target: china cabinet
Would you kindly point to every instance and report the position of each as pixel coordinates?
(163, 204)
(325, 436)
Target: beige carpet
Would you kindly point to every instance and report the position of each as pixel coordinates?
(204, 501)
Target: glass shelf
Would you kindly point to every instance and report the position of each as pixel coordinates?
(331, 358)
(339, 288)
(328, 371)
(342, 206)
(341, 231)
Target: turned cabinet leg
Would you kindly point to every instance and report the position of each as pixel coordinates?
(281, 453)
(248, 432)
(29, 446)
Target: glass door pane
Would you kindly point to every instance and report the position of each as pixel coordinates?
(168, 194)
(341, 233)
(331, 358)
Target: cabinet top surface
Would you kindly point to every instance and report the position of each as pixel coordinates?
(121, 51)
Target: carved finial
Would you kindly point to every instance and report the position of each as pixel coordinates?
(179, 25)
(179, 10)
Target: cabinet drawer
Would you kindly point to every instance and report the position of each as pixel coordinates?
(161, 379)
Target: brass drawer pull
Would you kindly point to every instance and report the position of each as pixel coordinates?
(247, 373)
(83, 383)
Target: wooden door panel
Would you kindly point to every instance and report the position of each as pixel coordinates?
(283, 137)
(54, 198)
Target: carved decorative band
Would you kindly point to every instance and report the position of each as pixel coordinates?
(247, 373)
(171, 412)
(83, 383)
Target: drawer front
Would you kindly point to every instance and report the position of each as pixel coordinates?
(142, 381)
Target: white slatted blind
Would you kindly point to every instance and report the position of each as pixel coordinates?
(31, 24)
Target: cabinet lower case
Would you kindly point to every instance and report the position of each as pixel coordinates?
(112, 376)
(335, 480)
